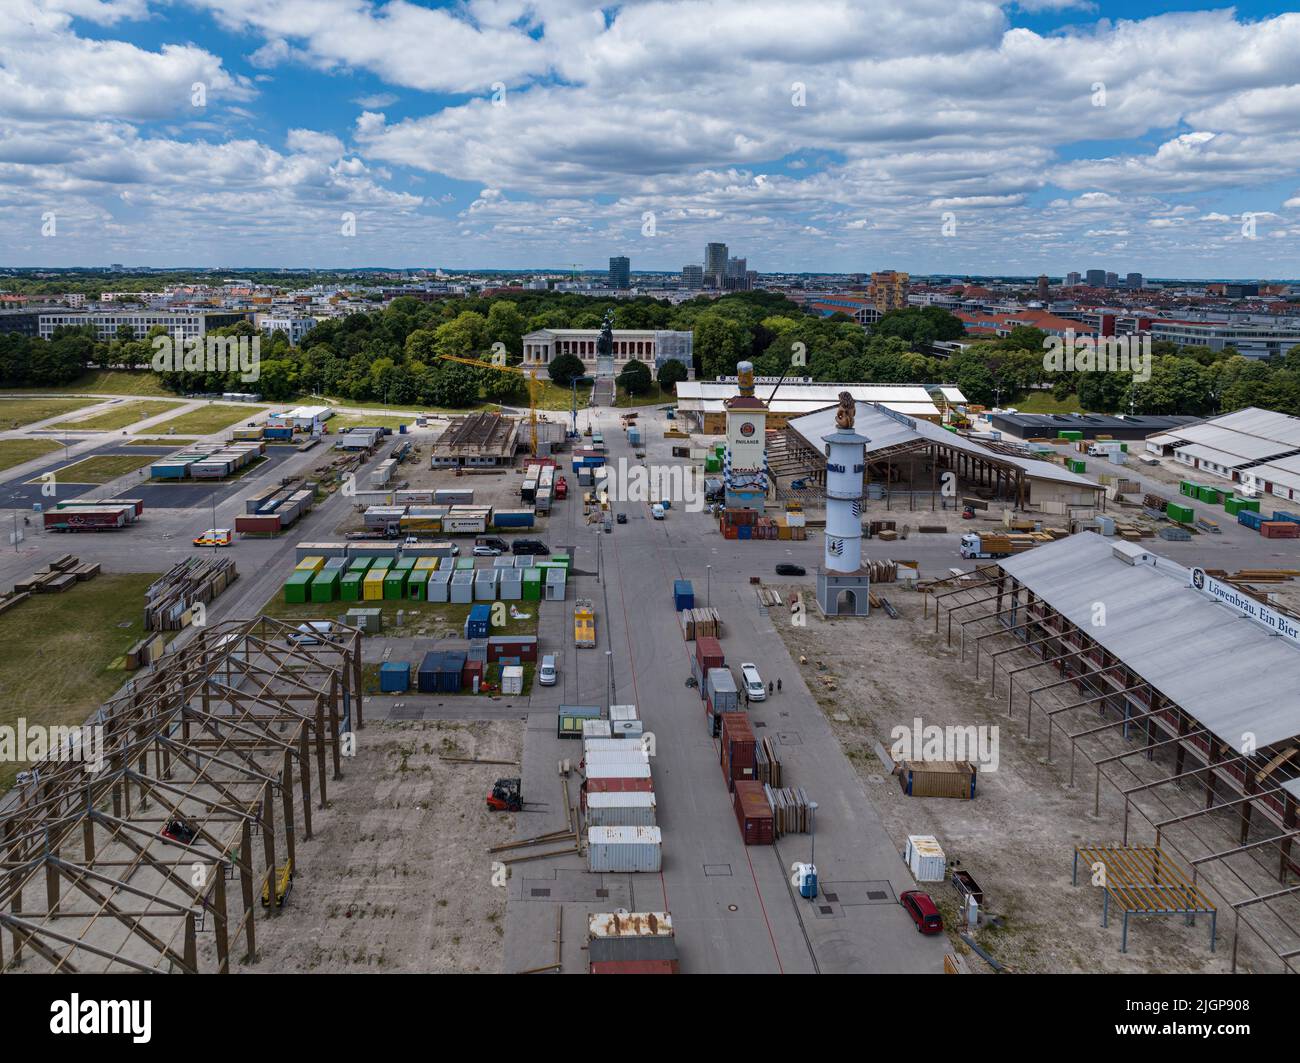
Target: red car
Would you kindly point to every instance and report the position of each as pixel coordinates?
(922, 910)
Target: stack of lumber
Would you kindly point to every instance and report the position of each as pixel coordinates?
(58, 575)
(791, 810)
(1151, 501)
(882, 571)
(700, 623)
(767, 596)
(190, 582)
(767, 763)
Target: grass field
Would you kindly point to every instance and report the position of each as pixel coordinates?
(78, 634)
(363, 420)
(119, 416)
(554, 397)
(101, 468)
(1043, 402)
(16, 451)
(207, 419)
(653, 397)
(108, 382)
(425, 619)
(17, 412)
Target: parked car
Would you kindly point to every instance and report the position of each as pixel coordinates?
(754, 686)
(787, 569)
(547, 673)
(529, 546)
(313, 633)
(486, 551)
(921, 907)
(213, 537)
(657, 511)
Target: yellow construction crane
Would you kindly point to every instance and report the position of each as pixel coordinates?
(529, 375)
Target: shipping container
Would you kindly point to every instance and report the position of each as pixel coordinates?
(513, 518)
(512, 679)
(595, 729)
(636, 967)
(621, 810)
(350, 586)
(753, 814)
(257, 525)
(395, 677)
(624, 785)
(297, 587)
(624, 849)
(479, 622)
(627, 729)
(1182, 514)
(631, 950)
(720, 690)
(1279, 529)
(617, 771)
(630, 925)
(325, 585)
(925, 858)
(938, 778)
(737, 753)
(683, 595)
(623, 712)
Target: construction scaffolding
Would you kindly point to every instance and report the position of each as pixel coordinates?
(155, 857)
(1228, 814)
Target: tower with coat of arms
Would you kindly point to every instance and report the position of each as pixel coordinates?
(842, 584)
(744, 470)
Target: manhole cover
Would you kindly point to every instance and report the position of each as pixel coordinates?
(540, 893)
(826, 909)
(832, 897)
(717, 870)
(875, 895)
(602, 893)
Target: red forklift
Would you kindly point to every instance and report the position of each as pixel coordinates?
(505, 796)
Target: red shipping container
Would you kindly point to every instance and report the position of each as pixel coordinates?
(636, 967)
(708, 652)
(753, 813)
(467, 674)
(269, 523)
(1279, 529)
(738, 754)
(616, 786)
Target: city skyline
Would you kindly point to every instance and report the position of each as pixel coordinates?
(319, 134)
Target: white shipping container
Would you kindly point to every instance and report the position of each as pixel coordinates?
(595, 729)
(617, 771)
(625, 729)
(623, 924)
(622, 712)
(606, 744)
(925, 858)
(620, 849)
(512, 679)
(620, 810)
(630, 757)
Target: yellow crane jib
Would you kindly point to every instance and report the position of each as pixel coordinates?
(528, 374)
(283, 879)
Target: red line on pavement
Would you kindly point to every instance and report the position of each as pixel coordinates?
(763, 908)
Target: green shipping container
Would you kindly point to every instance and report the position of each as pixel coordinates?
(563, 559)
(325, 587)
(1075, 465)
(1232, 504)
(394, 585)
(359, 564)
(383, 563)
(1179, 513)
(1070, 434)
(297, 587)
(712, 464)
(532, 584)
(404, 564)
(350, 586)
(1248, 503)
(1208, 494)
(416, 584)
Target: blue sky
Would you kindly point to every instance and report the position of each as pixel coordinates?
(956, 136)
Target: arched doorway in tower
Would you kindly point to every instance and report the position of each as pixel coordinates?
(846, 603)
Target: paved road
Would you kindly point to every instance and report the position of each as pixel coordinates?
(732, 905)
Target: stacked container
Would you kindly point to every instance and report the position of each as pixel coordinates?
(753, 813)
(721, 697)
(738, 749)
(624, 849)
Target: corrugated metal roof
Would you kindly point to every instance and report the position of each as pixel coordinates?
(885, 431)
(1226, 671)
(708, 396)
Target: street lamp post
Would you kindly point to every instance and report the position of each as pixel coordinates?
(609, 668)
(708, 586)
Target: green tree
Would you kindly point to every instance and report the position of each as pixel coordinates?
(635, 378)
(566, 368)
(671, 373)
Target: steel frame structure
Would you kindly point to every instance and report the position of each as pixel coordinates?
(242, 720)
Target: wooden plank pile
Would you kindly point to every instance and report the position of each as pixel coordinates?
(59, 575)
(700, 623)
(767, 596)
(168, 602)
(791, 809)
(767, 764)
(882, 571)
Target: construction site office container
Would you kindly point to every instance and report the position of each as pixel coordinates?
(510, 585)
(325, 585)
(297, 587)
(312, 563)
(925, 858)
(395, 584)
(485, 585)
(372, 587)
(394, 677)
(350, 586)
(555, 588)
(321, 550)
(337, 564)
(438, 586)
(621, 810)
(569, 720)
(938, 778)
(512, 679)
(359, 564)
(370, 621)
(532, 585)
(382, 564)
(624, 849)
(517, 647)
(462, 587)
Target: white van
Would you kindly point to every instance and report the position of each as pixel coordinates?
(547, 674)
(754, 687)
(657, 511)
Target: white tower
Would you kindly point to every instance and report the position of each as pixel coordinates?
(842, 585)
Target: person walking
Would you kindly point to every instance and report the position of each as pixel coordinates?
(770, 686)
(778, 686)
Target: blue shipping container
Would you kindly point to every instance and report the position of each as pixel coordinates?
(683, 595)
(478, 622)
(394, 677)
(1281, 514)
(1250, 519)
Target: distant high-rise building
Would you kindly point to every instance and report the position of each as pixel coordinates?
(1041, 287)
(888, 290)
(1072, 279)
(715, 263)
(620, 272)
(693, 277)
(1095, 278)
(1133, 280)
(1112, 280)
(736, 270)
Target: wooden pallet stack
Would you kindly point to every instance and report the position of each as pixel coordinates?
(59, 575)
(700, 623)
(767, 767)
(791, 809)
(169, 601)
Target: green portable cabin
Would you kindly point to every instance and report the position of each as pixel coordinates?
(1208, 494)
(417, 584)
(1183, 514)
(1069, 433)
(532, 589)
(350, 586)
(464, 564)
(381, 564)
(325, 586)
(395, 584)
(404, 564)
(1251, 504)
(1188, 488)
(1076, 465)
(359, 564)
(564, 560)
(297, 586)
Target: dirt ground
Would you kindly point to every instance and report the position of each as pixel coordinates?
(1017, 837)
(397, 878)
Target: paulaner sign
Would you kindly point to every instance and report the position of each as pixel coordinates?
(1257, 611)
